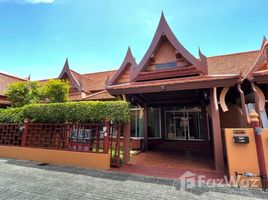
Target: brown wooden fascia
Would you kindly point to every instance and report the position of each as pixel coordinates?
(143, 76)
(228, 82)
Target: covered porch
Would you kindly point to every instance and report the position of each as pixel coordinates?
(178, 117)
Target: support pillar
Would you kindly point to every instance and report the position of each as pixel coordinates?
(145, 129)
(126, 142)
(216, 130)
(255, 123)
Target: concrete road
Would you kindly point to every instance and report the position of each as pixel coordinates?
(30, 180)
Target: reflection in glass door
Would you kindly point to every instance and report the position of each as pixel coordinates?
(154, 123)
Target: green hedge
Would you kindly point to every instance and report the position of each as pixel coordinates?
(11, 115)
(83, 112)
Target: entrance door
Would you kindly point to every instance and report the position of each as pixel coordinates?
(183, 124)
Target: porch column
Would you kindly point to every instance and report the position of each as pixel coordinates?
(145, 128)
(255, 123)
(205, 131)
(126, 142)
(216, 130)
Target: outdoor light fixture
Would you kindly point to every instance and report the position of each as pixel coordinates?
(206, 95)
(163, 87)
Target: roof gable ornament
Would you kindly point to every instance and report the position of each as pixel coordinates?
(66, 71)
(128, 62)
(163, 30)
(260, 61)
(264, 41)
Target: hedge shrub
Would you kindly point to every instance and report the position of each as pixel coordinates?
(12, 115)
(83, 112)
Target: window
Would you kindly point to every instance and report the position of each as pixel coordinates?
(166, 65)
(136, 121)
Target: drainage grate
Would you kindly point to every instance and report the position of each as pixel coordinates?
(43, 164)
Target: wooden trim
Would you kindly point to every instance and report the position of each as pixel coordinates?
(174, 87)
(158, 74)
(243, 104)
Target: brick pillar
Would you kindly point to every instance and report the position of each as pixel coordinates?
(126, 142)
(255, 123)
(25, 132)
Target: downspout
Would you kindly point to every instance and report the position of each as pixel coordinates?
(243, 104)
(256, 101)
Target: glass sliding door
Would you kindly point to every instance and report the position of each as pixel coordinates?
(154, 122)
(183, 123)
(136, 122)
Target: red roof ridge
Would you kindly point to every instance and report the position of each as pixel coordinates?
(100, 72)
(237, 53)
(13, 76)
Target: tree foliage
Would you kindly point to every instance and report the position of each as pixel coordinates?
(56, 90)
(23, 93)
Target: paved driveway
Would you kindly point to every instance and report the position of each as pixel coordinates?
(28, 180)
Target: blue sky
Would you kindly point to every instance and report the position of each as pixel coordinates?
(37, 35)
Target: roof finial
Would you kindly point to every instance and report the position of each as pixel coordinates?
(66, 64)
(264, 40)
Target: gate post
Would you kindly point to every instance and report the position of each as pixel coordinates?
(106, 137)
(255, 123)
(25, 132)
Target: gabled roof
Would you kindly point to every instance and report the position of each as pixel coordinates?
(261, 62)
(129, 62)
(66, 71)
(163, 29)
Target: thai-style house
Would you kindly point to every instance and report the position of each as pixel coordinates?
(183, 102)
(179, 101)
(5, 80)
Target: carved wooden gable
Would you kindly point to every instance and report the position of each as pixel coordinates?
(166, 57)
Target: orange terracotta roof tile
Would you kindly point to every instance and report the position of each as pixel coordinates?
(6, 79)
(232, 63)
(98, 79)
(102, 95)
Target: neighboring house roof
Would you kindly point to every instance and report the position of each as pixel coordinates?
(102, 95)
(6, 79)
(99, 79)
